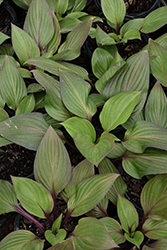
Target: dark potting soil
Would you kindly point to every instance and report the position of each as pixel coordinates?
(139, 7)
(5, 19)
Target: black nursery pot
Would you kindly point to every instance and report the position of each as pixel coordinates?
(156, 5)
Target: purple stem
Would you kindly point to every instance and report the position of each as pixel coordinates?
(28, 216)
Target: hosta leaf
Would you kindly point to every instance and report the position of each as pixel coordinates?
(136, 239)
(118, 108)
(26, 130)
(132, 34)
(27, 105)
(127, 214)
(135, 23)
(78, 5)
(117, 151)
(154, 229)
(143, 135)
(8, 199)
(92, 234)
(54, 239)
(89, 192)
(119, 186)
(3, 37)
(82, 171)
(68, 24)
(75, 39)
(57, 223)
(157, 245)
(6, 49)
(74, 92)
(152, 161)
(3, 115)
(61, 6)
(13, 88)
(76, 125)
(53, 103)
(94, 152)
(24, 46)
(114, 11)
(155, 20)
(101, 55)
(39, 23)
(21, 239)
(25, 73)
(154, 197)
(51, 162)
(133, 76)
(4, 142)
(114, 228)
(33, 196)
(156, 106)
(97, 99)
(64, 245)
(158, 68)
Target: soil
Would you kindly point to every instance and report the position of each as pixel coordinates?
(5, 19)
(139, 7)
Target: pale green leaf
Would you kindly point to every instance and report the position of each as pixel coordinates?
(92, 234)
(51, 162)
(119, 186)
(152, 161)
(157, 245)
(24, 46)
(117, 151)
(145, 134)
(8, 199)
(78, 5)
(33, 196)
(135, 23)
(13, 88)
(76, 125)
(94, 152)
(74, 92)
(132, 34)
(3, 37)
(114, 228)
(3, 115)
(118, 108)
(54, 239)
(39, 23)
(23, 240)
(68, 24)
(97, 99)
(27, 105)
(61, 6)
(26, 130)
(154, 229)
(25, 73)
(64, 245)
(89, 192)
(154, 198)
(57, 223)
(136, 239)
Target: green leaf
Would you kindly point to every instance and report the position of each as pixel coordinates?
(119, 186)
(54, 239)
(21, 239)
(53, 102)
(61, 6)
(39, 23)
(155, 20)
(67, 24)
(154, 229)
(89, 192)
(101, 55)
(118, 108)
(8, 199)
(132, 34)
(57, 223)
(78, 5)
(127, 214)
(93, 234)
(154, 198)
(97, 99)
(82, 171)
(114, 11)
(3, 37)
(75, 39)
(152, 161)
(143, 135)
(25, 73)
(6, 49)
(156, 106)
(158, 68)
(27, 105)
(117, 151)
(74, 92)
(137, 238)
(157, 245)
(114, 229)
(13, 88)
(3, 115)
(51, 162)
(135, 23)
(77, 125)
(24, 46)
(26, 130)
(94, 152)
(33, 196)
(64, 245)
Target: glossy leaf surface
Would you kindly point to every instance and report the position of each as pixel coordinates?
(92, 233)
(33, 196)
(26, 130)
(51, 162)
(89, 192)
(143, 135)
(117, 109)
(154, 197)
